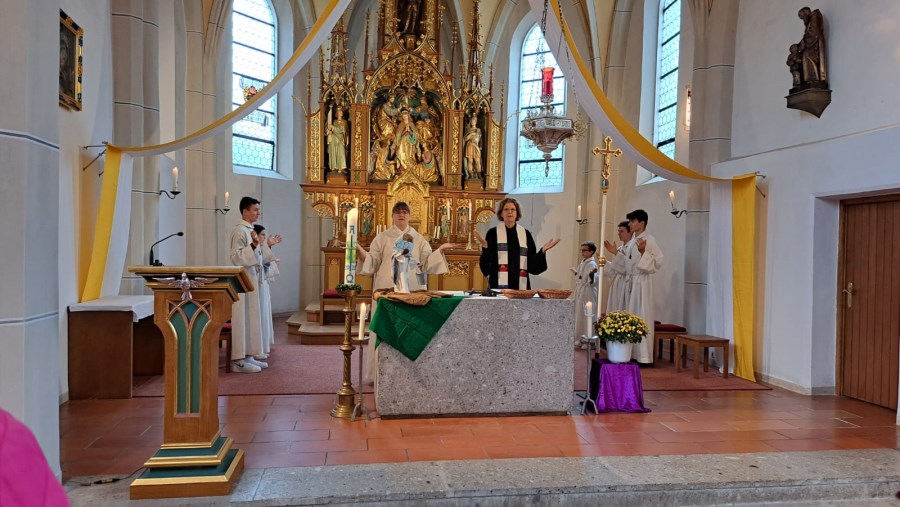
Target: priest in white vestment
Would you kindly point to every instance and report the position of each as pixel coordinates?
(642, 258)
(246, 319)
(378, 261)
(586, 279)
(619, 287)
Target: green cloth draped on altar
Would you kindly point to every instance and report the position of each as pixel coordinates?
(408, 328)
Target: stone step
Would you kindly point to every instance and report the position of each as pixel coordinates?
(313, 333)
(851, 477)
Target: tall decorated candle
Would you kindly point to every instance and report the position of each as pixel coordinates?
(350, 248)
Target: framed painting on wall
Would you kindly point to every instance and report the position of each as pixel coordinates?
(71, 46)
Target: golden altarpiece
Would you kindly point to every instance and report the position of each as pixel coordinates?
(411, 131)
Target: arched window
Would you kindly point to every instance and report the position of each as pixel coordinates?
(253, 58)
(531, 169)
(667, 76)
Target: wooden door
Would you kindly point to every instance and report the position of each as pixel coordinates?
(869, 300)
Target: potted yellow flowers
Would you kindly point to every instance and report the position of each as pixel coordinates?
(621, 330)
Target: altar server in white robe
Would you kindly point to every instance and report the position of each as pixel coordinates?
(377, 261)
(246, 321)
(269, 266)
(586, 279)
(642, 258)
(619, 287)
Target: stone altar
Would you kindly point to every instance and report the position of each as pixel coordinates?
(492, 356)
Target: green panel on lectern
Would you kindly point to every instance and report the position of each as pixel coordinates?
(196, 359)
(189, 319)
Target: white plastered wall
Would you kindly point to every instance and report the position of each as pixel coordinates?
(811, 163)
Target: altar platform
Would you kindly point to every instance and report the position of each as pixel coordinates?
(492, 356)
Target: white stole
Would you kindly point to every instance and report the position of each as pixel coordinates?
(503, 257)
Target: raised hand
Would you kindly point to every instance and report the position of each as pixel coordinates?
(480, 239)
(642, 245)
(274, 240)
(610, 247)
(254, 238)
(445, 246)
(550, 244)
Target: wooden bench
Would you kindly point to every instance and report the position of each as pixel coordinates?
(666, 332)
(111, 339)
(698, 342)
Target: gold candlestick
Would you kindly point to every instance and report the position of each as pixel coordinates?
(346, 395)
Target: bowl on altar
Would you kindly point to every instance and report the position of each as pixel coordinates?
(554, 293)
(519, 294)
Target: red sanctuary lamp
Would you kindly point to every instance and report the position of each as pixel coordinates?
(547, 82)
(543, 127)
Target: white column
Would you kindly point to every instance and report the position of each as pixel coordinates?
(29, 198)
(710, 139)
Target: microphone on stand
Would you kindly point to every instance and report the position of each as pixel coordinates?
(155, 262)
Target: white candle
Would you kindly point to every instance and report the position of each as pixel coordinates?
(588, 314)
(335, 206)
(672, 198)
(470, 214)
(579, 212)
(350, 247)
(356, 202)
(448, 212)
(362, 320)
(227, 195)
(175, 179)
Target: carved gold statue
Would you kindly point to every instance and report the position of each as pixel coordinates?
(338, 140)
(472, 142)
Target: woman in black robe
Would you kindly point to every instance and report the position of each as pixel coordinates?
(509, 212)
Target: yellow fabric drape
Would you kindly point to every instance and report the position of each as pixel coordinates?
(742, 195)
(743, 260)
(103, 229)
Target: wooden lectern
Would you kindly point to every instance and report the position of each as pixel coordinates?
(190, 306)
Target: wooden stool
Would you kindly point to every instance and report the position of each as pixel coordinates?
(225, 336)
(700, 341)
(666, 332)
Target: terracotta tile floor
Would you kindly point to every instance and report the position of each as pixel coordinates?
(110, 437)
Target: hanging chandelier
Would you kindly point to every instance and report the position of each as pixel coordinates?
(543, 127)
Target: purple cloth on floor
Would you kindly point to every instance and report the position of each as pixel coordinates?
(620, 387)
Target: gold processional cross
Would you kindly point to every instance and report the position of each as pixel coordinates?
(608, 152)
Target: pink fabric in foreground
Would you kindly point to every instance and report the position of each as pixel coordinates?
(25, 478)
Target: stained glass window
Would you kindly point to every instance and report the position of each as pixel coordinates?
(253, 64)
(667, 76)
(531, 166)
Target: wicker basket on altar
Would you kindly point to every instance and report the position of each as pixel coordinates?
(518, 294)
(554, 293)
